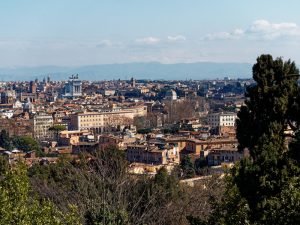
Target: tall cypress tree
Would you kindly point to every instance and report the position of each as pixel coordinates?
(265, 187)
(271, 108)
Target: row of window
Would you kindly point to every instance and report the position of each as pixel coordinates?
(90, 120)
(228, 119)
(89, 116)
(227, 124)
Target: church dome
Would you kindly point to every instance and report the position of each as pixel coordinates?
(171, 95)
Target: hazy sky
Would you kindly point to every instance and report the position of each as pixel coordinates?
(84, 32)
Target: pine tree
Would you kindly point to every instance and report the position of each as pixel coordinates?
(269, 110)
(187, 167)
(265, 187)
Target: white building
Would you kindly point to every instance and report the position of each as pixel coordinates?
(73, 88)
(41, 124)
(221, 119)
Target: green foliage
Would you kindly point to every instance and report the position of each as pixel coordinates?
(187, 167)
(26, 144)
(18, 207)
(294, 153)
(173, 129)
(5, 141)
(168, 183)
(265, 187)
(201, 166)
(195, 221)
(271, 102)
(104, 216)
(56, 129)
(260, 128)
(3, 165)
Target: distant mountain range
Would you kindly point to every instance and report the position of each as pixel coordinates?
(151, 70)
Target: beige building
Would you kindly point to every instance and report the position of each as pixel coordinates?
(121, 143)
(196, 146)
(103, 121)
(152, 154)
(67, 137)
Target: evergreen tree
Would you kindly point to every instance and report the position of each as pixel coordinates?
(26, 144)
(269, 110)
(5, 141)
(56, 129)
(187, 167)
(265, 187)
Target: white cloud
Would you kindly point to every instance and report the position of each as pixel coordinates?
(177, 38)
(259, 30)
(266, 26)
(148, 40)
(238, 32)
(235, 34)
(263, 29)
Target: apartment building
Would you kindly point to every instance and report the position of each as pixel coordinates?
(217, 156)
(41, 124)
(103, 121)
(221, 119)
(152, 154)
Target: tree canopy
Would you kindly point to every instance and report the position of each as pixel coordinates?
(270, 110)
(18, 206)
(5, 141)
(264, 187)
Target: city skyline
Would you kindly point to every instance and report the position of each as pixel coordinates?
(75, 33)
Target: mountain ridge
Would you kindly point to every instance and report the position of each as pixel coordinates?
(138, 70)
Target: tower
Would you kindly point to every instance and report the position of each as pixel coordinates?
(132, 82)
(32, 87)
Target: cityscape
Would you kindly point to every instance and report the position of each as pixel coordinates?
(167, 115)
(153, 113)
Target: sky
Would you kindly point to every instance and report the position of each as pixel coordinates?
(89, 32)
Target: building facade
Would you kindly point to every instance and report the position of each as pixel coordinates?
(221, 119)
(100, 122)
(41, 124)
(72, 88)
(152, 154)
(217, 156)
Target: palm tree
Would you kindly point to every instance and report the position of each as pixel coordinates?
(56, 129)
